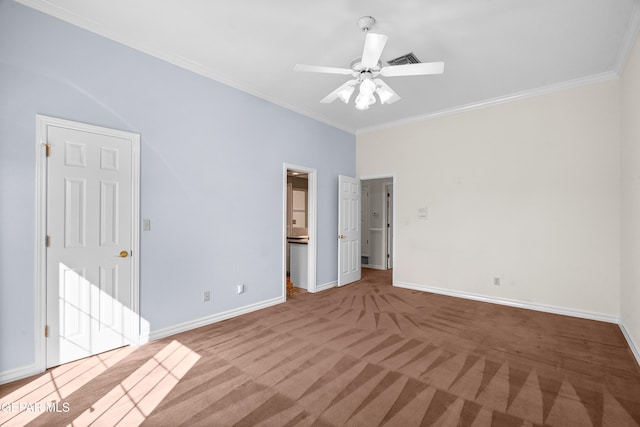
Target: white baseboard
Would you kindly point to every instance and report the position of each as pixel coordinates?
(203, 321)
(18, 373)
(29, 370)
(512, 303)
(632, 345)
(325, 286)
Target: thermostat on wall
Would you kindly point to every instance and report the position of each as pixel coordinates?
(422, 213)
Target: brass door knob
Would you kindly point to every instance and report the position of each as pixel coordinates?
(342, 236)
(124, 254)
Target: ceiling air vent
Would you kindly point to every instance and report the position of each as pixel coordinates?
(409, 58)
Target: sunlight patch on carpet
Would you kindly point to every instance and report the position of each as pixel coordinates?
(131, 402)
(47, 392)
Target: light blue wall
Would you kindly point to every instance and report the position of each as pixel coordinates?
(211, 169)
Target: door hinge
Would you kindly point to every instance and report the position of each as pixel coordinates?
(46, 331)
(47, 149)
(47, 241)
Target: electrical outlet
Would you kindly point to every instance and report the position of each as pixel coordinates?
(496, 281)
(146, 225)
(207, 296)
(240, 288)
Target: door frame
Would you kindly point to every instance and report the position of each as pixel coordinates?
(394, 183)
(42, 123)
(388, 190)
(312, 225)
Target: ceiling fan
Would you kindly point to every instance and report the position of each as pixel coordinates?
(366, 70)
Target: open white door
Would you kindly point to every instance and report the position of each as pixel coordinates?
(348, 230)
(90, 298)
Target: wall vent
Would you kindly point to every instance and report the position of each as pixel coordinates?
(409, 58)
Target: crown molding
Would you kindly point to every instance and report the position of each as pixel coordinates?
(629, 41)
(51, 9)
(544, 90)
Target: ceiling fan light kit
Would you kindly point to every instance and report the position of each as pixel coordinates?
(366, 69)
(346, 92)
(365, 98)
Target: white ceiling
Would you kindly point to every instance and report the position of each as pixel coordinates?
(492, 49)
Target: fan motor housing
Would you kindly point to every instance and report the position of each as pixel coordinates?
(366, 23)
(356, 66)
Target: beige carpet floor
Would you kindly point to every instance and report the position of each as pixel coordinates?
(366, 354)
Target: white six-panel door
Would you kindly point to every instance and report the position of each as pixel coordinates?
(89, 261)
(349, 269)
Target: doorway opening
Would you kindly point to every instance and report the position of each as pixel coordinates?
(377, 223)
(299, 229)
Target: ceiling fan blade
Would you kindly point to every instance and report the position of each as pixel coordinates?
(373, 45)
(413, 69)
(345, 90)
(321, 69)
(385, 93)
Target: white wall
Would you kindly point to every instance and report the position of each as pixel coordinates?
(528, 191)
(630, 88)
